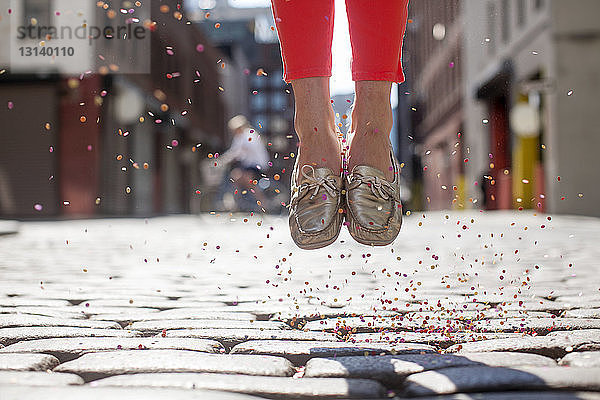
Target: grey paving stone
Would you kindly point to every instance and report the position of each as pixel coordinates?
(492, 313)
(387, 368)
(429, 320)
(552, 293)
(586, 298)
(66, 349)
(13, 392)
(539, 325)
(532, 395)
(199, 313)
(231, 337)
(443, 340)
(547, 346)
(510, 359)
(392, 369)
(124, 319)
(311, 312)
(231, 296)
(374, 324)
(555, 344)
(8, 227)
(132, 294)
(19, 302)
(268, 386)
(157, 326)
(579, 337)
(263, 310)
(55, 312)
(365, 321)
(299, 352)
(120, 315)
(36, 378)
(586, 359)
(495, 313)
(540, 305)
(93, 366)
(60, 291)
(22, 320)
(440, 303)
(584, 304)
(473, 379)
(583, 313)
(98, 311)
(27, 362)
(177, 314)
(9, 336)
(157, 304)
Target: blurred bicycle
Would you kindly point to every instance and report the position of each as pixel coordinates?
(241, 170)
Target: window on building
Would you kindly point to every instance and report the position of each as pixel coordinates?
(276, 79)
(261, 122)
(259, 81)
(521, 12)
(207, 4)
(36, 12)
(258, 102)
(505, 20)
(278, 101)
(539, 4)
(490, 40)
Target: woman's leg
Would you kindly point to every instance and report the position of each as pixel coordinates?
(376, 32)
(371, 125)
(305, 30)
(314, 122)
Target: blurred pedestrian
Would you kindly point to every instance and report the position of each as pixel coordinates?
(247, 157)
(369, 174)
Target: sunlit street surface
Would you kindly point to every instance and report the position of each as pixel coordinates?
(227, 302)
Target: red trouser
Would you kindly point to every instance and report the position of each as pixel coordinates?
(305, 29)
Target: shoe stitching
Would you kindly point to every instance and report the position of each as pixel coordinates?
(380, 188)
(315, 184)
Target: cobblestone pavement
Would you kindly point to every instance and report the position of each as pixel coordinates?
(465, 305)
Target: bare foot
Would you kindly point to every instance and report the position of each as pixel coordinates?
(371, 125)
(314, 123)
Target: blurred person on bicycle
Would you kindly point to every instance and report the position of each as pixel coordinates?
(248, 159)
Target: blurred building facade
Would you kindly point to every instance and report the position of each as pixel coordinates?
(105, 143)
(531, 80)
(503, 103)
(433, 99)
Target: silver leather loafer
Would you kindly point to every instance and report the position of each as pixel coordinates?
(374, 210)
(315, 218)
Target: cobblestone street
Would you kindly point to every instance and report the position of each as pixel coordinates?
(464, 305)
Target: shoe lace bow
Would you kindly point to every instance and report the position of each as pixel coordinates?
(312, 184)
(379, 187)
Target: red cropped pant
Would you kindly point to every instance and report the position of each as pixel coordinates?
(305, 29)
